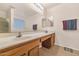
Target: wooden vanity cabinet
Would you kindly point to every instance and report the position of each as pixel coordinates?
(30, 48)
(22, 49)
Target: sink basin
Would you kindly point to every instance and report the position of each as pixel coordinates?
(26, 36)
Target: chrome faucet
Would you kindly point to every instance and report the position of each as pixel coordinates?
(19, 34)
(46, 31)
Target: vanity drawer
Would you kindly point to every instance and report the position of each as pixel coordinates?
(45, 38)
(9, 53)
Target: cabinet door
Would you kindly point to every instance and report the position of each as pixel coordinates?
(53, 39)
(34, 51)
(28, 46)
(9, 53)
(21, 53)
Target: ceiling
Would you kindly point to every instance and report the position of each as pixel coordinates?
(23, 7)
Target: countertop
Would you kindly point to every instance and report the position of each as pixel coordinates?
(13, 40)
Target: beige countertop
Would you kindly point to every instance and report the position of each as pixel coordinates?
(13, 40)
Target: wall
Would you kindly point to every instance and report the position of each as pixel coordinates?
(64, 12)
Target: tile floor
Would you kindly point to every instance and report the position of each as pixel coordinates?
(55, 51)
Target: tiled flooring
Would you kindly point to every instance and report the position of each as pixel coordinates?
(55, 51)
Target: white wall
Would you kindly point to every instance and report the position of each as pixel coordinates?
(64, 12)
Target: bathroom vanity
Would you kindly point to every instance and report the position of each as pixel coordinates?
(27, 46)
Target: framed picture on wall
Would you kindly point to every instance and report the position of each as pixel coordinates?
(70, 24)
(34, 27)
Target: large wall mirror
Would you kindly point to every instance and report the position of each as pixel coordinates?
(17, 25)
(11, 22)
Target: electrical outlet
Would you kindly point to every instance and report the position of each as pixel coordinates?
(71, 50)
(68, 49)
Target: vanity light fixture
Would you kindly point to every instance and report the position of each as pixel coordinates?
(40, 6)
(50, 18)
